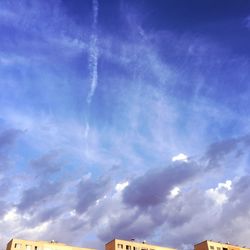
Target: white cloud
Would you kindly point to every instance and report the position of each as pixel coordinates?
(219, 194)
(180, 157)
(97, 202)
(42, 227)
(72, 213)
(121, 186)
(174, 192)
(11, 215)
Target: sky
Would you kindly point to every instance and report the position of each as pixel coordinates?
(125, 119)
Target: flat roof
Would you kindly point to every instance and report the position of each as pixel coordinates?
(222, 243)
(52, 242)
(139, 242)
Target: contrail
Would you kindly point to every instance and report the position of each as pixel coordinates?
(93, 53)
(93, 65)
(86, 131)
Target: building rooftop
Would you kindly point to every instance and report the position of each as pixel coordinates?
(222, 243)
(133, 241)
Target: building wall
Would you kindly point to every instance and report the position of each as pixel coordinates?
(213, 245)
(18, 244)
(110, 245)
(117, 244)
(201, 246)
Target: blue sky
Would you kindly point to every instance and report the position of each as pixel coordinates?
(125, 119)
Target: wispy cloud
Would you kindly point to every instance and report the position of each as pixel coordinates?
(93, 53)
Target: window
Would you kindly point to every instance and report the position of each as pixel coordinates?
(212, 247)
(224, 248)
(135, 248)
(28, 247)
(18, 245)
(218, 248)
(120, 246)
(128, 247)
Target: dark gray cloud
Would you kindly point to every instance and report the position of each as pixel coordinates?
(8, 138)
(148, 206)
(179, 210)
(89, 191)
(4, 186)
(43, 197)
(37, 196)
(47, 164)
(47, 212)
(179, 217)
(238, 203)
(173, 216)
(3, 207)
(218, 151)
(152, 188)
(128, 224)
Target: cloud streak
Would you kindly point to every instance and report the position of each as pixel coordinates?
(93, 53)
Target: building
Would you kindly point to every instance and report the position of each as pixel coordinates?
(117, 244)
(213, 245)
(17, 244)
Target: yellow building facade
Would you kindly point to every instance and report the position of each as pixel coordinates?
(117, 244)
(18, 244)
(213, 245)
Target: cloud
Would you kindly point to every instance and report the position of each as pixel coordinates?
(156, 197)
(8, 138)
(218, 151)
(119, 187)
(3, 208)
(89, 191)
(93, 54)
(38, 195)
(219, 194)
(128, 225)
(180, 157)
(5, 186)
(151, 189)
(10, 215)
(47, 164)
(238, 198)
(174, 192)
